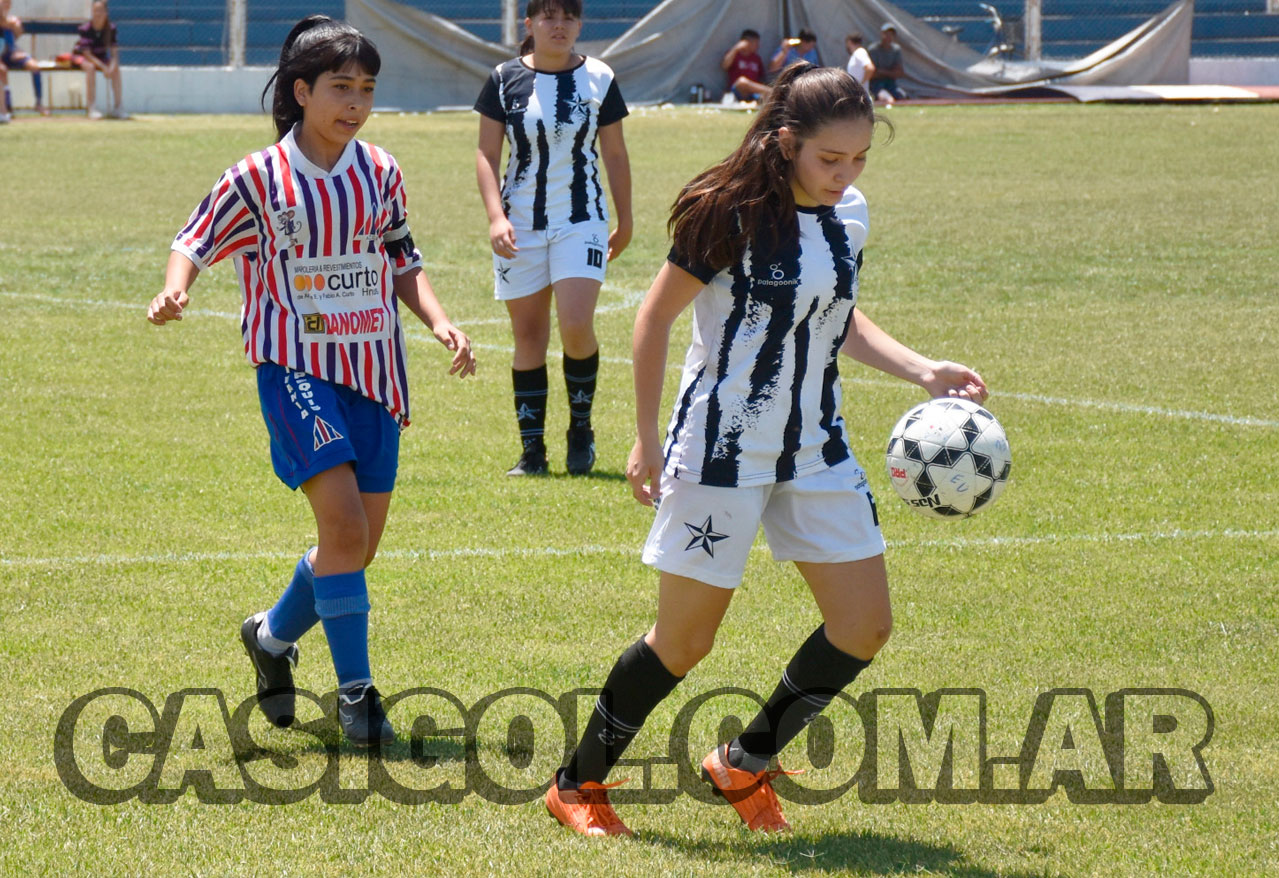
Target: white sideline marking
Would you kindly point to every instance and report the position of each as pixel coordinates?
(1047, 539)
(553, 552)
(633, 296)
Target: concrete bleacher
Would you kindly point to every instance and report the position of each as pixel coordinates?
(192, 32)
(1074, 28)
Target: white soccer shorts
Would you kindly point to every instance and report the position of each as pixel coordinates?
(705, 533)
(577, 250)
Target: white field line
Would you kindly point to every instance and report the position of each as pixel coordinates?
(633, 296)
(553, 552)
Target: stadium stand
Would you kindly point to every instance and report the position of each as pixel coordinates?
(1075, 28)
(192, 32)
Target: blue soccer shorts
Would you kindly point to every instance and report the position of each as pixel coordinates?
(316, 425)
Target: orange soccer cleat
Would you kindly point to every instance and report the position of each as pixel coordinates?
(750, 794)
(585, 809)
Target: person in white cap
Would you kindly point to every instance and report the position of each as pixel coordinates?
(886, 55)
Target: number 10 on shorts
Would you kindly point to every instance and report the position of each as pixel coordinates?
(594, 257)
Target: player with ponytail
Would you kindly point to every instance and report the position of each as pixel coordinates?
(767, 249)
(317, 226)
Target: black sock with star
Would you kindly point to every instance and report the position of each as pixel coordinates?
(637, 684)
(530, 404)
(579, 381)
(816, 674)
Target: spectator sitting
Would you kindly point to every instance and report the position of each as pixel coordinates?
(801, 48)
(860, 67)
(745, 68)
(886, 55)
(99, 49)
(12, 58)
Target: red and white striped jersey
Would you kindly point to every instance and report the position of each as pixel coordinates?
(315, 252)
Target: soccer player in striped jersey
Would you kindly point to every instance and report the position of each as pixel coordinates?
(767, 248)
(317, 227)
(548, 219)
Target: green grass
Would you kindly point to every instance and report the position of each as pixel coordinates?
(1109, 270)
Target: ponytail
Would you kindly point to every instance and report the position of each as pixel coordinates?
(316, 44)
(746, 200)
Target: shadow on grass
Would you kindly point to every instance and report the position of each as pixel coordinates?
(594, 475)
(853, 852)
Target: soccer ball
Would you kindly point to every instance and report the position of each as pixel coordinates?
(948, 458)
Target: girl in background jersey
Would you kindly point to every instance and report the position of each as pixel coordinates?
(98, 49)
(318, 230)
(767, 247)
(548, 222)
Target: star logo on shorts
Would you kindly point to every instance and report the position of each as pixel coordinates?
(503, 272)
(704, 537)
(524, 413)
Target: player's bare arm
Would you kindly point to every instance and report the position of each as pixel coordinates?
(414, 290)
(867, 343)
(617, 165)
(487, 156)
(672, 291)
(179, 274)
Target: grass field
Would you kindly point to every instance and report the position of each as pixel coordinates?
(1110, 270)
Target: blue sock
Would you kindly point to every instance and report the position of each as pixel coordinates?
(342, 602)
(36, 86)
(294, 613)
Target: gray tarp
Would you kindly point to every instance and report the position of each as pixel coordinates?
(429, 62)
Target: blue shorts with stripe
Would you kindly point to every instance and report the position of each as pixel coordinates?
(316, 425)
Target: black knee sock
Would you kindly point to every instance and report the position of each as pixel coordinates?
(637, 684)
(530, 403)
(814, 676)
(579, 380)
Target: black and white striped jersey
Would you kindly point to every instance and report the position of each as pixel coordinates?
(551, 119)
(759, 401)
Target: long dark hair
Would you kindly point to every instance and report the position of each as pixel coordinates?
(572, 8)
(746, 199)
(317, 44)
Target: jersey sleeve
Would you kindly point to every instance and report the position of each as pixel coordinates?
(612, 108)
(84, 41)
(699, 270)
(223, 225)
(396, 238)
(489, 103)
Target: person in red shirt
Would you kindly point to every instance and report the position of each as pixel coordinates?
(745, 68)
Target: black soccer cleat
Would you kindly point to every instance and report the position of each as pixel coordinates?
(532, 462)
(581, 451)
(362, 718)
(274, 673)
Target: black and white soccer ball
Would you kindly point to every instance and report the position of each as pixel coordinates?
(948, 458)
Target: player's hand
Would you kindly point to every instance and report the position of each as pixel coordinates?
(953, 379)
(644, 471)
(502, 238)
(167, 306)
(618, 239)
(456, 340)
